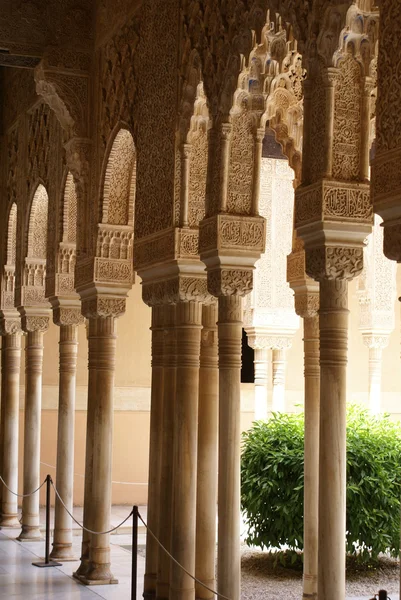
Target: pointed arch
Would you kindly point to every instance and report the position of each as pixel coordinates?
(37, 228)
(119, 181)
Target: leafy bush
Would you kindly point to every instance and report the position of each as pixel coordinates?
(273, 480)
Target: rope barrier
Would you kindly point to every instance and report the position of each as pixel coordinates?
(82, 526)
(22, 495)
(83, 476)
(47, 562)
(180, 565)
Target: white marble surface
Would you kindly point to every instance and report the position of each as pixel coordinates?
(19, 579)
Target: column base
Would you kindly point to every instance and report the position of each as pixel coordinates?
(9, 522)
(62, 552)
(30, 534)
(82, 569)
(98, 575)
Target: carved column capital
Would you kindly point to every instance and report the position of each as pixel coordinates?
(230, 282)
(67, 316)
(100, 307)
(35, 323)
(181, 288)
(376, 340)
(328, 263)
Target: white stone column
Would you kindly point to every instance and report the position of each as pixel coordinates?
(229, 555)
(261, 364)
(155, 509)
(68, 349)
(206, 501)
(10, 377)
(333, 321)
(279, 365)
(90, 416)
(99, 570)
(166, 473)
(311, 455)
(376, 344)
(32, 427)
(188, 328)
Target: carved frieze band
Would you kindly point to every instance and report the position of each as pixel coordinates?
(165, 246)
(232, 232)
(332, 201)
(334, 263)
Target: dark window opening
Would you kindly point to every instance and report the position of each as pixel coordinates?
(247, 356)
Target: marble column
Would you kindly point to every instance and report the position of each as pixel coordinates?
(333, 322)
(10, 378)
(206, 500)
(2, 417)
(99, 570)
(188, 328)
(261, 364)
(166, 472)
(229, 556)
(376, 344)
(92, 398)
(311, 455)
(278, 394)
(32, 427)
(155, 509)
(68, 349)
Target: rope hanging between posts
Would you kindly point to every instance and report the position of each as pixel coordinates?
(23, 495)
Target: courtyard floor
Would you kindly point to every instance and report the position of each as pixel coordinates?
(20, 580)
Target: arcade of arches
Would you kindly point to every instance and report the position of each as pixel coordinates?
(241, 158)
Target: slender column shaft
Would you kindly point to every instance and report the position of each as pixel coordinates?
(166, 491)
(92, 391)
(330, 99)
(11, 351)
(33, 402)
(278, 360)
(226, 130)
(260, 133)
(155, 509)
(206, 500)
(68, 348)
(99, 550)
(333, 323)
(229, 558)
(261, 364)
(2, 409)
(311, 455)
(189, 323)
(375, 379)
(365, 134)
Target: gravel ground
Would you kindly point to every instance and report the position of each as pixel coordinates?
(260, 580)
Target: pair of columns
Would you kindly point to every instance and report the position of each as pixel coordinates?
(262, 374)
(195, 433)
(11, 357)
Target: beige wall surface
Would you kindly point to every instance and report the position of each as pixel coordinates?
(132, 394)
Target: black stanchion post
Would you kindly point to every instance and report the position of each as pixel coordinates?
(47, 562)
(382, 595)
(134, 552)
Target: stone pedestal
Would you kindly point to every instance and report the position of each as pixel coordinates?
(99, 571)
(62, 541)
(229, 556)
(11, 359)
(155, 509)
(32, 427)
(188, 328)
(333, 319)
(166, 473)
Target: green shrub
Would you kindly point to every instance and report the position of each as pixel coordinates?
(272, 483)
